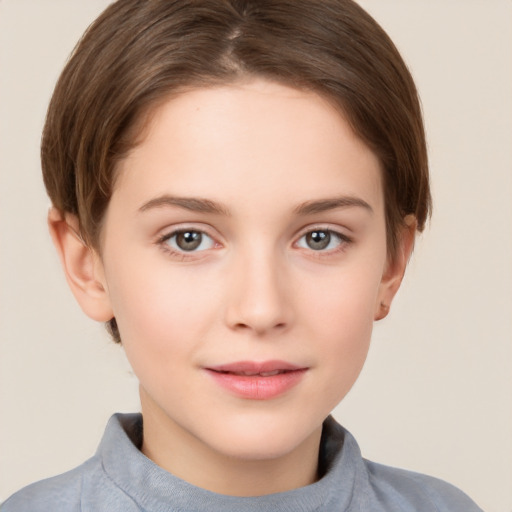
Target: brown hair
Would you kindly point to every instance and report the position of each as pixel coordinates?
(138, 53)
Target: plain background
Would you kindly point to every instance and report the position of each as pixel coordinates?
(436, 394)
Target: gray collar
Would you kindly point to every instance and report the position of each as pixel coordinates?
(155, 490)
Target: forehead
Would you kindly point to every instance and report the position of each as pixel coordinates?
(259, 137)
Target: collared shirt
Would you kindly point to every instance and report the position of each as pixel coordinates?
(119, 478)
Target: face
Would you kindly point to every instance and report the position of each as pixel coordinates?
(244, 259)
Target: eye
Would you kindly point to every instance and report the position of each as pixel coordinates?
(189, 240)
(321, 240)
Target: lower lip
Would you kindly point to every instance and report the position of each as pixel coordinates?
(257, 387)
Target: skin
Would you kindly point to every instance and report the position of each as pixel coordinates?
(276, 163)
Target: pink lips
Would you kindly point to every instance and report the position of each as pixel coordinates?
(257, 381)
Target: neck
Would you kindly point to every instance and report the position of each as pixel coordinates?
(187, 457)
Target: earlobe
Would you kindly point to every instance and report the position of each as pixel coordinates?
(395, 269)
(82, 266)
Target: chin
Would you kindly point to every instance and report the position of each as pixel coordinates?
(262, 437)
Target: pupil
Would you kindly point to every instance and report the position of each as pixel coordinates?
(318, 240)
(188, 240)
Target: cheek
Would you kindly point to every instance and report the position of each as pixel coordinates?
(344, 300)
(347, 324)
(159, 311)
(341, 323)
(141, 306)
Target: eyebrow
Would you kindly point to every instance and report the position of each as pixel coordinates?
(207, 206)
(323, 205)
(188, 203)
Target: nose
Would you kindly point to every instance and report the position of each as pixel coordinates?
(258, 300)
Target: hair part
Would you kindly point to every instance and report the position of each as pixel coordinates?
(138, 54)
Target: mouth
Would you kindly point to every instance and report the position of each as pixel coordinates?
(257, 380)
(253, 374)
(256, 368)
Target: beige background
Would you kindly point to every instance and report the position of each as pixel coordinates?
(436, 395)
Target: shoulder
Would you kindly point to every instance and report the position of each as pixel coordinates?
(374, 487)
(62, 492)
(407, 490)
(89, 487)
(86, 488)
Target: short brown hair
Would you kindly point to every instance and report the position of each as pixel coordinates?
(139, 52)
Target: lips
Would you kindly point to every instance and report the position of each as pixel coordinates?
(257, 380)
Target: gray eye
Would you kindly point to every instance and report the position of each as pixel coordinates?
(190, 240)
(321, 240)
(318, 240)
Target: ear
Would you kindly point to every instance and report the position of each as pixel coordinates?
(395, 268)
(82, 266)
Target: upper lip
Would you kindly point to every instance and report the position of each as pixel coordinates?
(255, 367)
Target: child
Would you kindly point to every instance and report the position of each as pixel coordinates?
(236, 187)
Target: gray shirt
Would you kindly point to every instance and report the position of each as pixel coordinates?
(119, 478)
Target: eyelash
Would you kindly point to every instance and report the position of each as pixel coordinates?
(163, 242)
(342, 241)
(183, 255)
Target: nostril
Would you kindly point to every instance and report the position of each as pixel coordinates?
(259, 328)
(258, 304)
